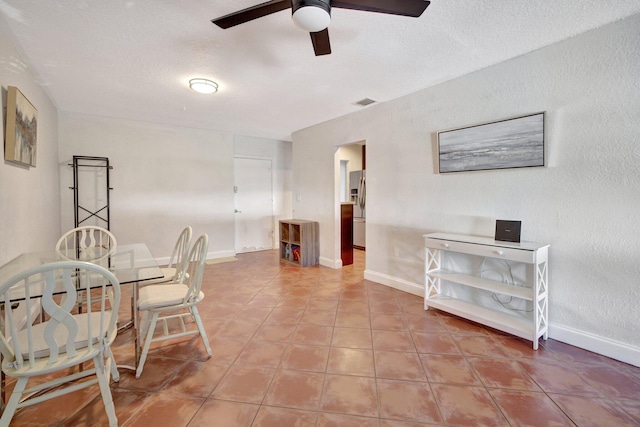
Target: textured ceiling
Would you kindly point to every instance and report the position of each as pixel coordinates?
(133, 59)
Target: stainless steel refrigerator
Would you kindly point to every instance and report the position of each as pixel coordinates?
(358, 193)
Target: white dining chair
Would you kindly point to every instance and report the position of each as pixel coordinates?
(175, 302)
(64, 341)
(178, 260)
(86, 243)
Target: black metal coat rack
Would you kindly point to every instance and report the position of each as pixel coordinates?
(83, 213)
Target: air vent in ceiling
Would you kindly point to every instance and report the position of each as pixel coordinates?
(364, 102)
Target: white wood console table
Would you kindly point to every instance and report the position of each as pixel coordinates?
(514, 300)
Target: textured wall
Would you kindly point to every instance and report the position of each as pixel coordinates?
(29, 205)
(585, 203)
(164, 178)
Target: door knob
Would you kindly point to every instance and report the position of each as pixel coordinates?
(237, 211)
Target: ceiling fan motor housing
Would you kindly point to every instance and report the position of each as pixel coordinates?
(311, 15)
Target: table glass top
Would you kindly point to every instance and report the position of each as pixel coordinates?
(129, 263)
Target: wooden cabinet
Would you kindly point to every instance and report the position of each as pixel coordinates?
(299, 242)
(346, 233)
(500, 284)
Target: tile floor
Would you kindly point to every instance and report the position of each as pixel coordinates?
(320, 347)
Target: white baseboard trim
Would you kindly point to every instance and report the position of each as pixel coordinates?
(210, 255)
(163, 260)
(394, 282)
(604, 346)
(331, 263)
(221, 254)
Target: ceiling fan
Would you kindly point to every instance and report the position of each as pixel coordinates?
(315, 15)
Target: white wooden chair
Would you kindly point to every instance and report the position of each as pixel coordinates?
(64, 340)
(86, 243)
(174, 301)
(178, 260)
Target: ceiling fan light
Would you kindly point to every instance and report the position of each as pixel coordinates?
(312, 16)
(203, 85)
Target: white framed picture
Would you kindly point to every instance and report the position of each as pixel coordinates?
(504, 144)
(21, 129)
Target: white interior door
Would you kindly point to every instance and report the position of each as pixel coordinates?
(253, 204)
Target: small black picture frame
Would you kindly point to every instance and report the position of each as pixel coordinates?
(508, 231)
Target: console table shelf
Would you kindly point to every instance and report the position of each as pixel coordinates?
(487, 285)
(465, 294)
(509, 323)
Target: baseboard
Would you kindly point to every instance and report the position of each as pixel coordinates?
(210, 255)
(394, 282)
(328, 262)
(163, 260)
(606, 347)
(221, 254)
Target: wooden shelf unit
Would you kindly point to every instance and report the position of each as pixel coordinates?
(299, 242)
(446, 290)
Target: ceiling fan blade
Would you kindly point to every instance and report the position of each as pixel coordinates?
(412, 8)
(320, 40)
(252, 13)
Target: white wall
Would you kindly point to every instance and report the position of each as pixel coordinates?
(353, 154)
(29, 204)
(164, 178)
(585, 203)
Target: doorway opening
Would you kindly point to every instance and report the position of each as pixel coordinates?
(350, 188)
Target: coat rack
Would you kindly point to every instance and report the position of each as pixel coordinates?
(84, 213)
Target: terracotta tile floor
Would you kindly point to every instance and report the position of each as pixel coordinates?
(320, 347)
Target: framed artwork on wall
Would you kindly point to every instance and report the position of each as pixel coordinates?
(21, 129)
(505, 144)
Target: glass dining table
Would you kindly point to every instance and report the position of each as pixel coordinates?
(131, 264)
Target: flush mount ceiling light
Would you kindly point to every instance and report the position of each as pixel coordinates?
(311, 15)
(203, 85)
